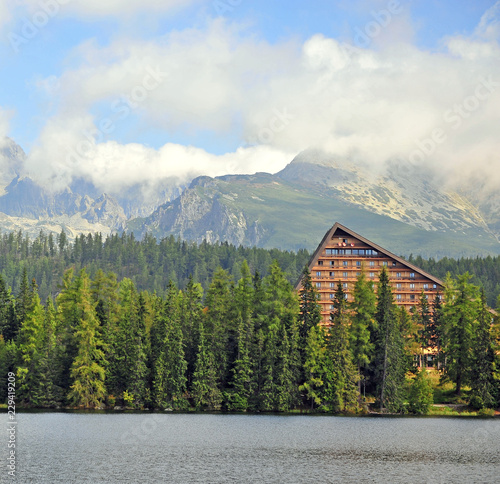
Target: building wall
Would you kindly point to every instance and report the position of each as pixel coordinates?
(343, 257)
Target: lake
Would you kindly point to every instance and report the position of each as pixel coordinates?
(67, 447)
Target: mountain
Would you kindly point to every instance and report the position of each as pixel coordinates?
(79, 208)
(400, 208)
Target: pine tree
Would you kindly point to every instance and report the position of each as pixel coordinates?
(341, 380)
(49, 393)
(389, 361)
(314, 366)
(88, 368)
(30, 338)
(169, 363)
(483, 361)
(362, 324)
(310, 310)
(437, 330)
(205, 391)
(460, 314)
(242, 382)
(8, 321)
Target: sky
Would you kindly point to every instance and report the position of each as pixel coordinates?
(126, 91)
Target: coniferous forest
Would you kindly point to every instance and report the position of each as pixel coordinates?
(214, 327)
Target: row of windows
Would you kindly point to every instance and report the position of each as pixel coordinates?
(368, 252)
(347, 263)
(412, 286)
(399, 275)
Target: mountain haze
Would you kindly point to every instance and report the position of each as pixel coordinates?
(401, 207)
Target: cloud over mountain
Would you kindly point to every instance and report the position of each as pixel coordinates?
(386, 100)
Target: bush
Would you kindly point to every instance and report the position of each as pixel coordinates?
(421, 394)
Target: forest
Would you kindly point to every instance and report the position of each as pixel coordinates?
(245, 343)
(150, 263)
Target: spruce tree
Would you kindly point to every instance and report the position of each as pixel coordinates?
(341, 379)
(310, 310)
(314, 366)
(30, 339)
(88, 368)
(362, 324)
(205, 390)
(483, 391)
(460, 314)
(389, 361)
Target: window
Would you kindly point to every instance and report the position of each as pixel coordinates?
(361, 251)
(358, 263)
(348, 252)
(332, 306)
(426, 286)
(332, 285)
(412, 275)
(329, 251)
(399, 285)
(399, 297)
(355, 252)
(412, 286)
(434, 286)
(372, 263)
(332, 296)
(332, 274)
(412, 297)
(345, 296)
(345, 241)
(372, 274)
(358, 274)
(320, 262)
(332, 263)
(318, 285)
(318, 274)
(394, 264)
(344, 285)
(398, 275)
(345, 275)
(384, 263)
(346, 263)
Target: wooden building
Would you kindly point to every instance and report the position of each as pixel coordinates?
(343, 254)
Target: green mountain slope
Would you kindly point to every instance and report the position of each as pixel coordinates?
(269, 211)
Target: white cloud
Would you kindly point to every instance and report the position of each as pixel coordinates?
(356, 103)
(113, 167)
(98, 8)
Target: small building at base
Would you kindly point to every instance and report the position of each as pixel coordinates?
(343, 254)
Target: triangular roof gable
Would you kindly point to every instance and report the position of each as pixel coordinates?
(330, 234)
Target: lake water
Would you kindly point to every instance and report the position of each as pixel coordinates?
(69, 448)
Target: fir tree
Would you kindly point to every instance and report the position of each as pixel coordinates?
(389, 361)
(205, 391)
(460, 314)
(483, 361)
(88, 368)
(362, 324)
(314, 366)
(30, 338)
(341, 380)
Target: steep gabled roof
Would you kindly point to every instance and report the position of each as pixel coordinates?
(329, 235)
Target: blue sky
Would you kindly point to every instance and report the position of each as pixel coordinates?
(238, 86)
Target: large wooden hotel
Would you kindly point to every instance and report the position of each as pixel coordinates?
(343, 254)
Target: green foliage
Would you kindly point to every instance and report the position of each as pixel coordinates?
(421, 395)
(389, 356)
(460, 315)
(341, 378)
(232, 341)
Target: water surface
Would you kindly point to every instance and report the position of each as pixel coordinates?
(203, 448)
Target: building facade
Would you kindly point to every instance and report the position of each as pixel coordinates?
(343, 254)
